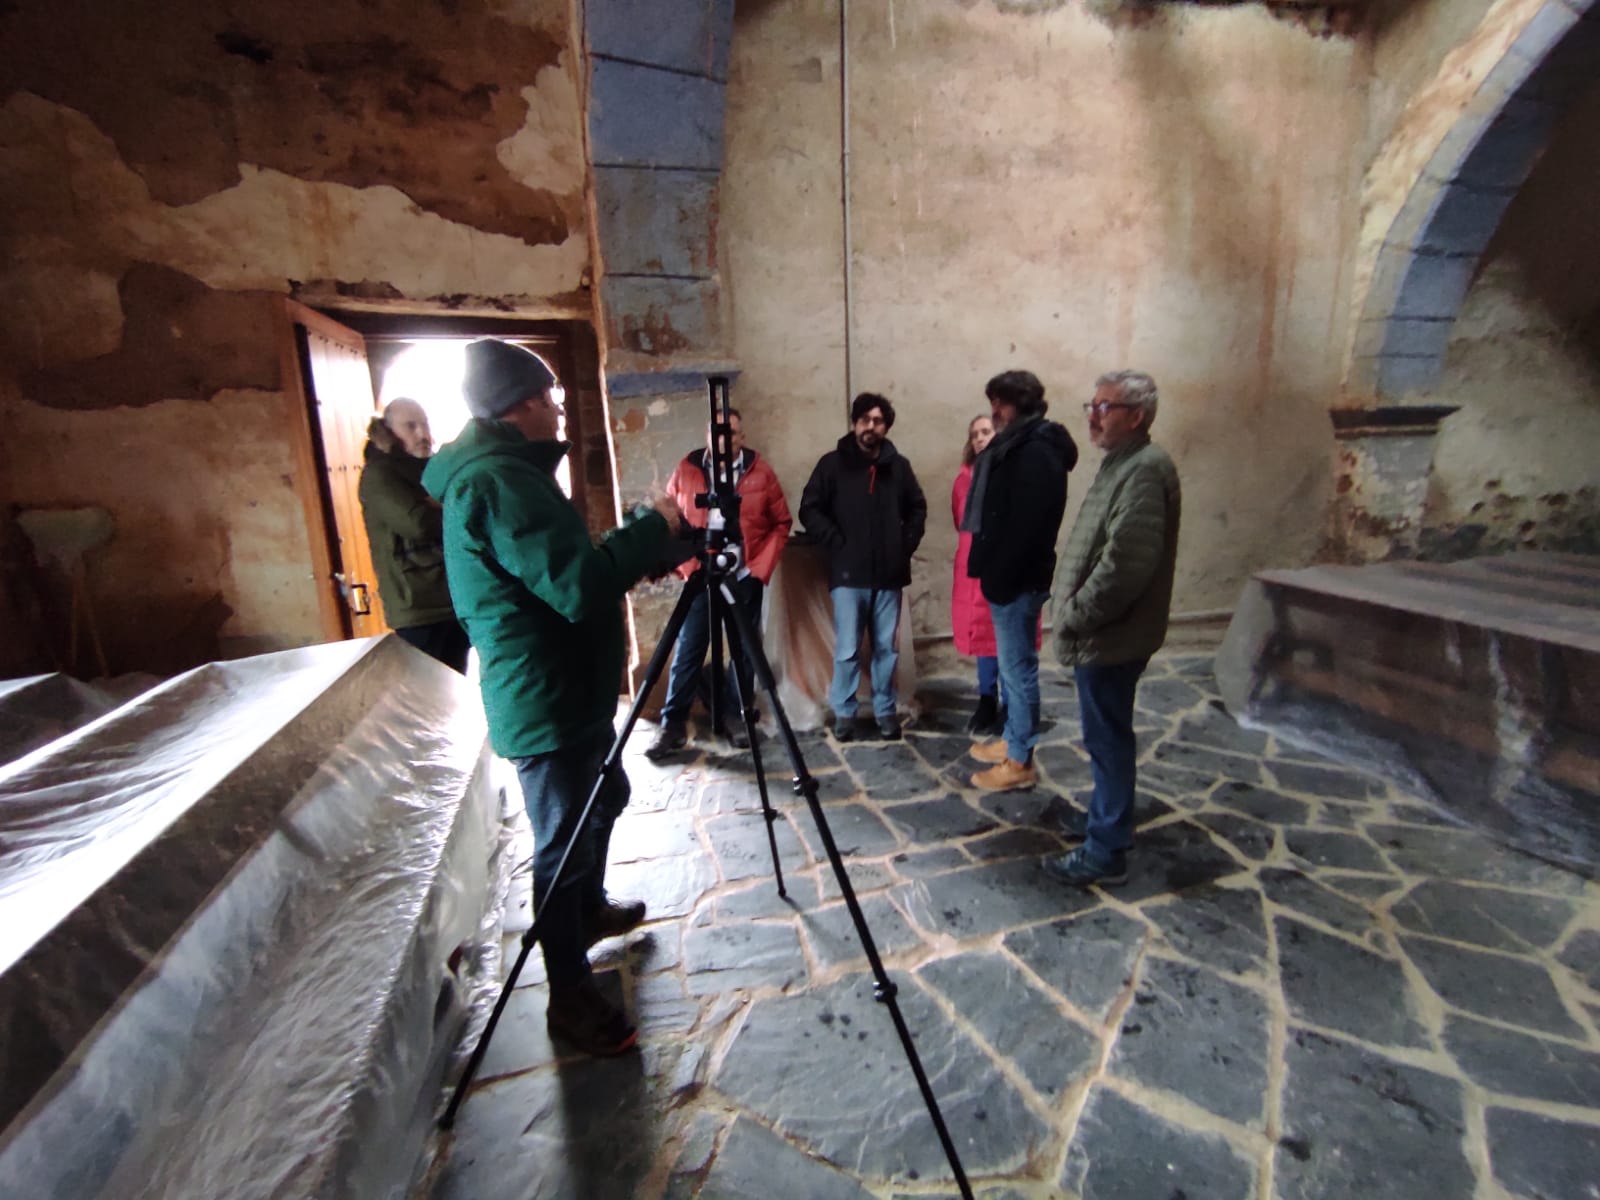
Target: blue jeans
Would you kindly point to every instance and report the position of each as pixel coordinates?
(854, 611)
(685, 678)
(1105, 702)
(555, 787)
(1016, 637)
(988, 674)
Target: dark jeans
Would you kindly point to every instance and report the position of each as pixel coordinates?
(684, 680)
(1105, 702)
(988, 675)
(443, 640)
(555, 787)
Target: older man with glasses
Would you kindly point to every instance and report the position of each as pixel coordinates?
(1113, 593)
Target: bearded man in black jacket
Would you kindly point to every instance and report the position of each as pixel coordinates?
(1014, 510)
(863, 503)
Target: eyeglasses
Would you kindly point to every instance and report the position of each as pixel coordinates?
(1102, 407)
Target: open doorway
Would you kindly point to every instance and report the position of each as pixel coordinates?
(350, 365)
(429, 371)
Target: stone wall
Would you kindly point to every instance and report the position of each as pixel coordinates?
(1049, 190)
(164, 182)
(1515, 467)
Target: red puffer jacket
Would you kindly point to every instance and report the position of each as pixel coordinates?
(764, 518)
(969, 611)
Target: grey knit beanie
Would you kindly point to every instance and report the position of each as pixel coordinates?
(500, 375)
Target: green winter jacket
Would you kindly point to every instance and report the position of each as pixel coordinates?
(1113, 586)
(541, 601)
(405, 531)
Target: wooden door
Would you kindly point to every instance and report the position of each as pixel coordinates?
(338, 395)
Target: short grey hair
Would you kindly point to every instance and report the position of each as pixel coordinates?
(1135, 387)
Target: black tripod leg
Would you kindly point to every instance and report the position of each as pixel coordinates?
(722, 603)
(658, 662)
(885, 990)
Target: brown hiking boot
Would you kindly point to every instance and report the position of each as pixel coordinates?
(1008, 776)
(989, 752)
(612, 919)
(585, 1020)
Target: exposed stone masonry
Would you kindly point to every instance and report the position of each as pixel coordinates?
(1312, 986)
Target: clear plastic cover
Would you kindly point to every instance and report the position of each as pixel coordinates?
(242, 921)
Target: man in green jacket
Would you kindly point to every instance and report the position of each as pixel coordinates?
(405, 530)
(1113, 592)
(543, 605)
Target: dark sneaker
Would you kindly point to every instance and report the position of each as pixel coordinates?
(735, 736)
(844, 729)
(585, 1020)
(1079, 870)
(1073, 823)
(613, 919)
(982, 718)
(889, 729)
(674, 736)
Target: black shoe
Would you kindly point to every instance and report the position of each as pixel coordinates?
(735, 736)
(889, 729)
(844, 729)
(982, 719)
(997, 727)
(586, 1021)
(1073, 824)
(674, 736)
(1079, 870)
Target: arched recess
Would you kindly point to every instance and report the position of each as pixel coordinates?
(1430, 252)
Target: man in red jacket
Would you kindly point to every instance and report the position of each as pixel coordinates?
(764, 523)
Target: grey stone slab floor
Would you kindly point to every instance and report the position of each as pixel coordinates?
(1312, 986)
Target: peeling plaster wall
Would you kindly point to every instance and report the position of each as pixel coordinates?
(1515, 468)
(1049, 191)
(165, 180)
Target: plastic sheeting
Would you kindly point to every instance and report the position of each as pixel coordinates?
(38, 709)
(1473, 684)
(239, 921)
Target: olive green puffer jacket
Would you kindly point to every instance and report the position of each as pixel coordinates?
(1113, 586)
(405, 530)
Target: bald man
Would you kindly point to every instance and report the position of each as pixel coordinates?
(405, 530)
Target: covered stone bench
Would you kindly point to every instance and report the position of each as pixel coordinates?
(1476, 682)
(242, 920)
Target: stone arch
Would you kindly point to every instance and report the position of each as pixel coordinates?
(1429, 253)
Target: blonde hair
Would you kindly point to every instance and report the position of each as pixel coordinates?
(967, 455)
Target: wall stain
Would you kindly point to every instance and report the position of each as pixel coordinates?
(181, 340)
(189, 97)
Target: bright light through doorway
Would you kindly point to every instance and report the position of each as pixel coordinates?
(430, 372)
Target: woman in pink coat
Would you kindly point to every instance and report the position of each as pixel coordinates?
(969, 611)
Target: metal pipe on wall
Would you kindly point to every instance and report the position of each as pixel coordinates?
(844, 193)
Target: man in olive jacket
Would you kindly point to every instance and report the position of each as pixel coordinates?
(406, 532)
(543, 605)
(1113, 592)
(863, 503)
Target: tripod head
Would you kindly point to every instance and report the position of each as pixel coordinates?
(724, 545)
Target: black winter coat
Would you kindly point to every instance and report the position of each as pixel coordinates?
(1014, 550)
(869, 514)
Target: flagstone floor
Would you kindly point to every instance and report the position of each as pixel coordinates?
(1312, 986)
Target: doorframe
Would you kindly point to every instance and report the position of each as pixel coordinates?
(554, 336)
(291, 317)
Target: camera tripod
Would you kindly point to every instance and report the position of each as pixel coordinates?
(719, 564)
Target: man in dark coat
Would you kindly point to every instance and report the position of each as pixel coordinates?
(863, 503)
(405, 530)
(1014, 511)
